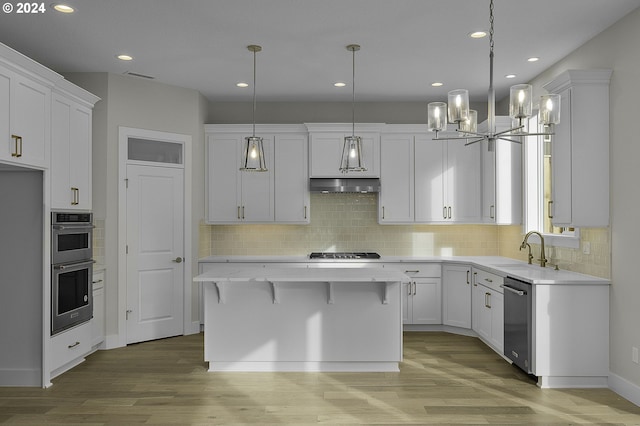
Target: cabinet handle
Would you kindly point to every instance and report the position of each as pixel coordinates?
(414, 288)
(305, 212)
(444, 212)
(489, 280)
(238, 212)
(242, 212)
(75, 193)
(96, 281)
(475, 279)
(549, 203)
(487, 300)
(449, 212)
(383, 212)
(492, 212)
(18, 146)
(409, 291)
(74, 345)
(468, 276)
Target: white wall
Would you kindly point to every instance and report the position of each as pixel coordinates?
(134, 102)
(617, 48)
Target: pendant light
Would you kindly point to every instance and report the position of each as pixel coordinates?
(253, 159)
(520, 109)
(352, 149)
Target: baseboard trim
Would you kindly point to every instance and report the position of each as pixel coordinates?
(624, 388)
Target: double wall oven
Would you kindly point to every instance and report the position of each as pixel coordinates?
(71, 269)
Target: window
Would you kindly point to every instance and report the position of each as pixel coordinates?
(538, 184)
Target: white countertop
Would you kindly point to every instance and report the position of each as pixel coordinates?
(502, 266)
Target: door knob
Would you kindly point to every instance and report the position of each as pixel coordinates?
(178, 259)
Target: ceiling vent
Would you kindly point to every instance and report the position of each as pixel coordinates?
(136, 74)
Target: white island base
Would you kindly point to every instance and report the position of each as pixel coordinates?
(303, 319)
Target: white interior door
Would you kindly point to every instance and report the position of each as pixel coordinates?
(155, 247)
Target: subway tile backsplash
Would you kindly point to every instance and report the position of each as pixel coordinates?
(348, 222)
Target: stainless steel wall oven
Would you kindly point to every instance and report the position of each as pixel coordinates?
(71, 269)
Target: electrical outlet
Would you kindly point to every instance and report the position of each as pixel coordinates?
(634, 354)
(586, 247)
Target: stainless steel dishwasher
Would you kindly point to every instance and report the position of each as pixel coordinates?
(517, 322)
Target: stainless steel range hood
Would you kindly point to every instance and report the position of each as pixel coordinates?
(345, 185)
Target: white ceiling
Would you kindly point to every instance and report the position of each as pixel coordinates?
(406, 44)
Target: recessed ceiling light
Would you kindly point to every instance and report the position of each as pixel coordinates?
(478, 34)
(124, 57)
(242, 84)
(64, 8)
(437, 84)
(533, 59)
(510, 76)
(339, 84)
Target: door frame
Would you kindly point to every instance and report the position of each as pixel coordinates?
(123, 135)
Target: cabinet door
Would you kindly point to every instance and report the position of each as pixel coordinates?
(396, 171)
(223, 184)
(497, 320)
(407, 299)
(561, 163)
(257, 189)
(427, 301)
(456, 283)
(80, 157)
(6, 143)
(488, 183)
(462, 187)
(291, 184)
(30, 120)
(483, 305)
(429, 180)
(325, 153)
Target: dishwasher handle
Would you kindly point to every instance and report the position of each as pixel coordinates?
(513, 290)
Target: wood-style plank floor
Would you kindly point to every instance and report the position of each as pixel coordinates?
(444, 379)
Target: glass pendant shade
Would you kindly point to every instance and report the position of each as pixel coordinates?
(352, 155)
(253, 155)
(436, 116)
(458, 105)
(520, 101)
(470, 125)
(549, 112)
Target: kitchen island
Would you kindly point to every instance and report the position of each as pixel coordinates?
(302, 319)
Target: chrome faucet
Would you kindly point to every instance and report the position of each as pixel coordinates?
(543, 259)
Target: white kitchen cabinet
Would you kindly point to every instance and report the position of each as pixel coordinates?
(235, 196)
(447, 181)
(71, 114)
(396, 199)
(501, 178)
(326, 142)
(25, 106)
(98, 320)
(580, 149)
(422, 296)
(69, 348)
(488, 308)
(292, 203)
(456, 295)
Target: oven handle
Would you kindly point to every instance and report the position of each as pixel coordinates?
(73, 227)
(64, 266)
(513, 290)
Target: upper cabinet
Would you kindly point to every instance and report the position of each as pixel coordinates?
(326, 142)
(501, 178)
(580, 150)
(71, 116)
(447, 181)
(280, 194)
(396, 200)
(24, 117)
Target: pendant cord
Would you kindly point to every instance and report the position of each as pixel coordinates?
(254, 93)
(353, 93)
(491, 102)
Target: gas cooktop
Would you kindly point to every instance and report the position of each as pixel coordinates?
(343, 255)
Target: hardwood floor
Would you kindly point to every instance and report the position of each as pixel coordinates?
(444, 379)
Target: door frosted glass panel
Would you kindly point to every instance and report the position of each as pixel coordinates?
(154, 151)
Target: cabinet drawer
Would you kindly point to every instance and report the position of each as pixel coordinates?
(98, 280)
(430, 270)
(489, 280)
(70, 345)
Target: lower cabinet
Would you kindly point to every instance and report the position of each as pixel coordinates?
(422, 296)
(456, 295)
(488, 308)
(97, 323)
(69, 348)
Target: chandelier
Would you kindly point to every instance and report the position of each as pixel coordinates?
(520, 109)
(352, 150)
(253, 159)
